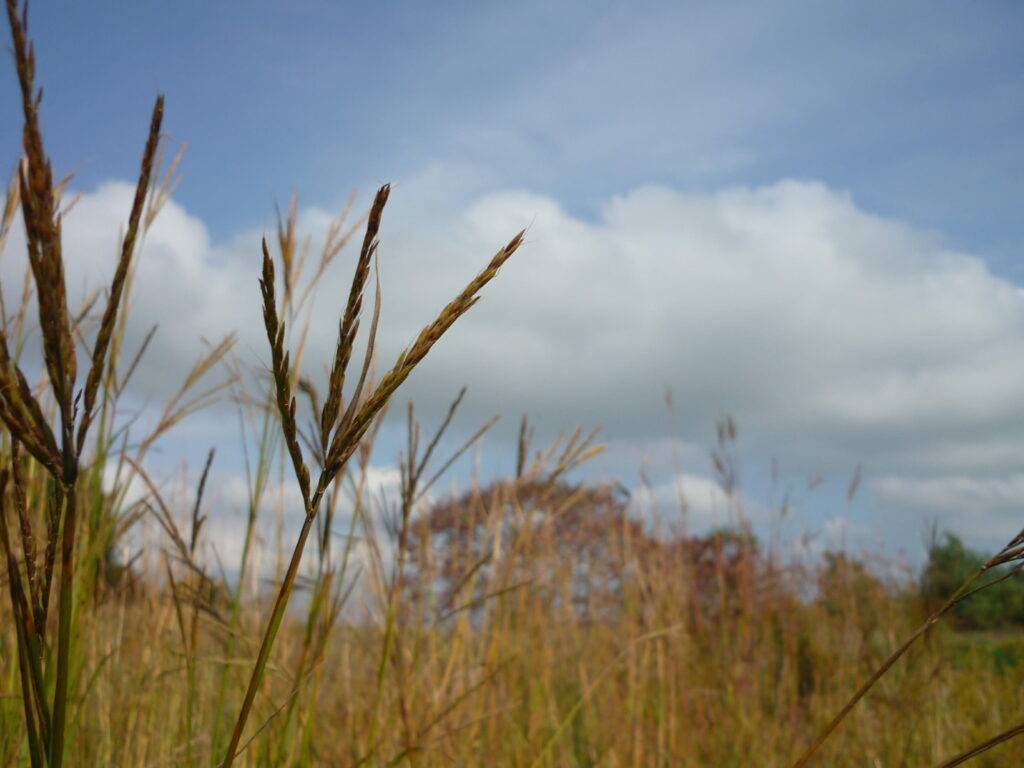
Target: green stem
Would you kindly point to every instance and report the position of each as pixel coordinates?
(284, 593)
(60, 697)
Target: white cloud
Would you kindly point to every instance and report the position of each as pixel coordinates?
(981, 507)
(836, 532)
(697, 502)
(952, 493)
(834, 335)
(225, 508)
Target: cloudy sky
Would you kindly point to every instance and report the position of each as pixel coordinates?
(805, 215)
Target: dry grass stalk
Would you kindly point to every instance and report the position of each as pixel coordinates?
(106, 330)
(20, 411)
(985, 746)
(349, 324)
(350, 432)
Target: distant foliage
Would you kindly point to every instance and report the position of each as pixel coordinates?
(950, 563)
(581, 538)
(847, 585)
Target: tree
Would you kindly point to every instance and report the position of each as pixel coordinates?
(950, 562)
(566, 540)
(577, 547)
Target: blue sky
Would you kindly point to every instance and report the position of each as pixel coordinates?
(854, 169)
(911, 106)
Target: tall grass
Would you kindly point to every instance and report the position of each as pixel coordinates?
(532, 621)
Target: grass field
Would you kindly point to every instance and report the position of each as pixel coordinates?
(631, 653)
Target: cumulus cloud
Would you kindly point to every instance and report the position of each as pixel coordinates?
(982, 507)
(834, 335)
(225, 507)
(696, 502)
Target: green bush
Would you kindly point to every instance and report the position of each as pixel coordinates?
(950, 562)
